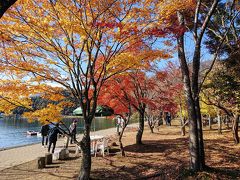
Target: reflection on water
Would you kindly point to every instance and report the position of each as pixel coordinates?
(13, 131)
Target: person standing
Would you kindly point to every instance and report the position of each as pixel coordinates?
(52, 137)
(44, 132)
(73, 131)
(118, 124)
(168, 118)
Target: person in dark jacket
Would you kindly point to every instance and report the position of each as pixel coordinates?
(44, 132)
(168, 119)
(52, 137)
(73, 131)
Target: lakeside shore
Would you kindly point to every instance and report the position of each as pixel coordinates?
(17, 155)
(17, 146)
(13, 132)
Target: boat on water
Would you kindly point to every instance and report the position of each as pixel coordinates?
(32, 133)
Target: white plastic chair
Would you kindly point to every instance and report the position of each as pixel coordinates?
(102, 146)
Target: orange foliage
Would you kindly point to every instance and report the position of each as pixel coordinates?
(77, 46)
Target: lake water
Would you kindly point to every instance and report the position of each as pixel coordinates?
(13, 131)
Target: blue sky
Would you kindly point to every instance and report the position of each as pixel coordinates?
(189, 50)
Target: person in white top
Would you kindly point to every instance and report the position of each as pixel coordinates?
(119, 124)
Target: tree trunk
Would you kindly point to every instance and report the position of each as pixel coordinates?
(182, 121)
(122, 148)
(227, 119)
(183, 129)
(86, 154)
(219, 124)
(193, 131)
(151, 129)
(141, 127)
(235, 128)
(193, 126)
(126, 121)
(120, 142)
(67, 143)
(209, 122)
(150, 123)
(120, 137)
(200, 136)
(193, 136)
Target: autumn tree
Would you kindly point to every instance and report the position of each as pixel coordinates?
(173, 87)
(128, 92)
(222, 91)
(162, 94)
(191, 85)
(143, 96)
(140, 84)
(153, 99)
(115, 94)
(77, 45)
(134, 86)
(174, 93)
(197, 24)
(222, 85)
(208, 112)
(190, 16)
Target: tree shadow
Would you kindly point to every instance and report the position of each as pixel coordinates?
(163, 172)
(27, 173)
(225, 172)
(58, 162)
(50, 166)
(135, 172)
(223, 131)
(71, 158)
(158, 146)
(172, 161)
(56, 170)
(114, 151)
